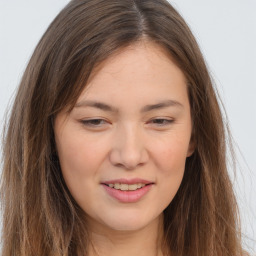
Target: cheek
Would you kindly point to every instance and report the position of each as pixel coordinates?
(171, 159)
(173, 166)
(80, 162)
(78, 156)
(171, 156)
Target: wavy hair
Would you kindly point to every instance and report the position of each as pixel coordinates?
(40, 217)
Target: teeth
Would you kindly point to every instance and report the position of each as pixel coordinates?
(133, 187)
(126, 187)
(117, 186)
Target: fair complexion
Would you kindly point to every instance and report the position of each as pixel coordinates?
(132, 122)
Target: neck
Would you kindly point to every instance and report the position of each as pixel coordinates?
(146, 241)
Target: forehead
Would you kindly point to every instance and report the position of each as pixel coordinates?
(140, 71)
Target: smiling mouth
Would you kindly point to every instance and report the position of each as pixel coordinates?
(127, 190)
(126, 187)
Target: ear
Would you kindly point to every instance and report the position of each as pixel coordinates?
(191, 146)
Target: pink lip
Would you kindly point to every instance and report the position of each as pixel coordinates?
(128, 196)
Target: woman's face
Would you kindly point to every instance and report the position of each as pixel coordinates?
(123, 147)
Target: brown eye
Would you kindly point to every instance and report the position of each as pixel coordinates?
(94, 122)
(161, 121)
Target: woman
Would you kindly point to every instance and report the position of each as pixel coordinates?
(116, 143)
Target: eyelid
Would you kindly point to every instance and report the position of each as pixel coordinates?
(168, 121)
(89, 122)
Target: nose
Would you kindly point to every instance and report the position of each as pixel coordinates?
(128, 149)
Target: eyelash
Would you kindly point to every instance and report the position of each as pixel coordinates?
(91, 122)
(164, 121)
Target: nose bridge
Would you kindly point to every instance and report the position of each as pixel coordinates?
(128, 147)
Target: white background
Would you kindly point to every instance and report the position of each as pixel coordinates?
(226, 32)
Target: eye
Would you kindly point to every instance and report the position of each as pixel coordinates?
(94, 123)
(161, 121)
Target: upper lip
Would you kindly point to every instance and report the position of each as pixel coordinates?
(128, 181)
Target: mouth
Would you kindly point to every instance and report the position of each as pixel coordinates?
(127, 187)
(128, 191)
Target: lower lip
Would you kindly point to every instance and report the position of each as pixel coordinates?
(131, 196)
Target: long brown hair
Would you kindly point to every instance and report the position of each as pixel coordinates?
(40, 217)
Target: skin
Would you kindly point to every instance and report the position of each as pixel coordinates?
(127, 143)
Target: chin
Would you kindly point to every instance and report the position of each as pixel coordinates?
(128, 222)
(125, 226)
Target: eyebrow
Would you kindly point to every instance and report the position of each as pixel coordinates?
(147, 108)
(96, 104)
(162, 104)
